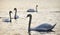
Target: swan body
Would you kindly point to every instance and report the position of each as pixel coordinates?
(44, 27)
(30, 10)
(6, 20)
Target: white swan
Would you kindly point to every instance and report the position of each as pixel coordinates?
(41, 28)
(32, 10)
(8, 19)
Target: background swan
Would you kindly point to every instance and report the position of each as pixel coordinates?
(32, 10)
(16, 16)
(8, 19)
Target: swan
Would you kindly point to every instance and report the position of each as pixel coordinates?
(32, 10)
(16, 16)
(41, 28)
(7, 19)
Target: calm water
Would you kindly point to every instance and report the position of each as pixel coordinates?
(48, 12)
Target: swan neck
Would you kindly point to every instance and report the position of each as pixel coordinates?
(15, 14)
(10, 17)
(29, 24)
(36, 9)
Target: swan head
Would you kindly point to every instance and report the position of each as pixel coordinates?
(36, 5)
(29, 15)
(15, 8)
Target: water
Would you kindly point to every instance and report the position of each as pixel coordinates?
(48, 12)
